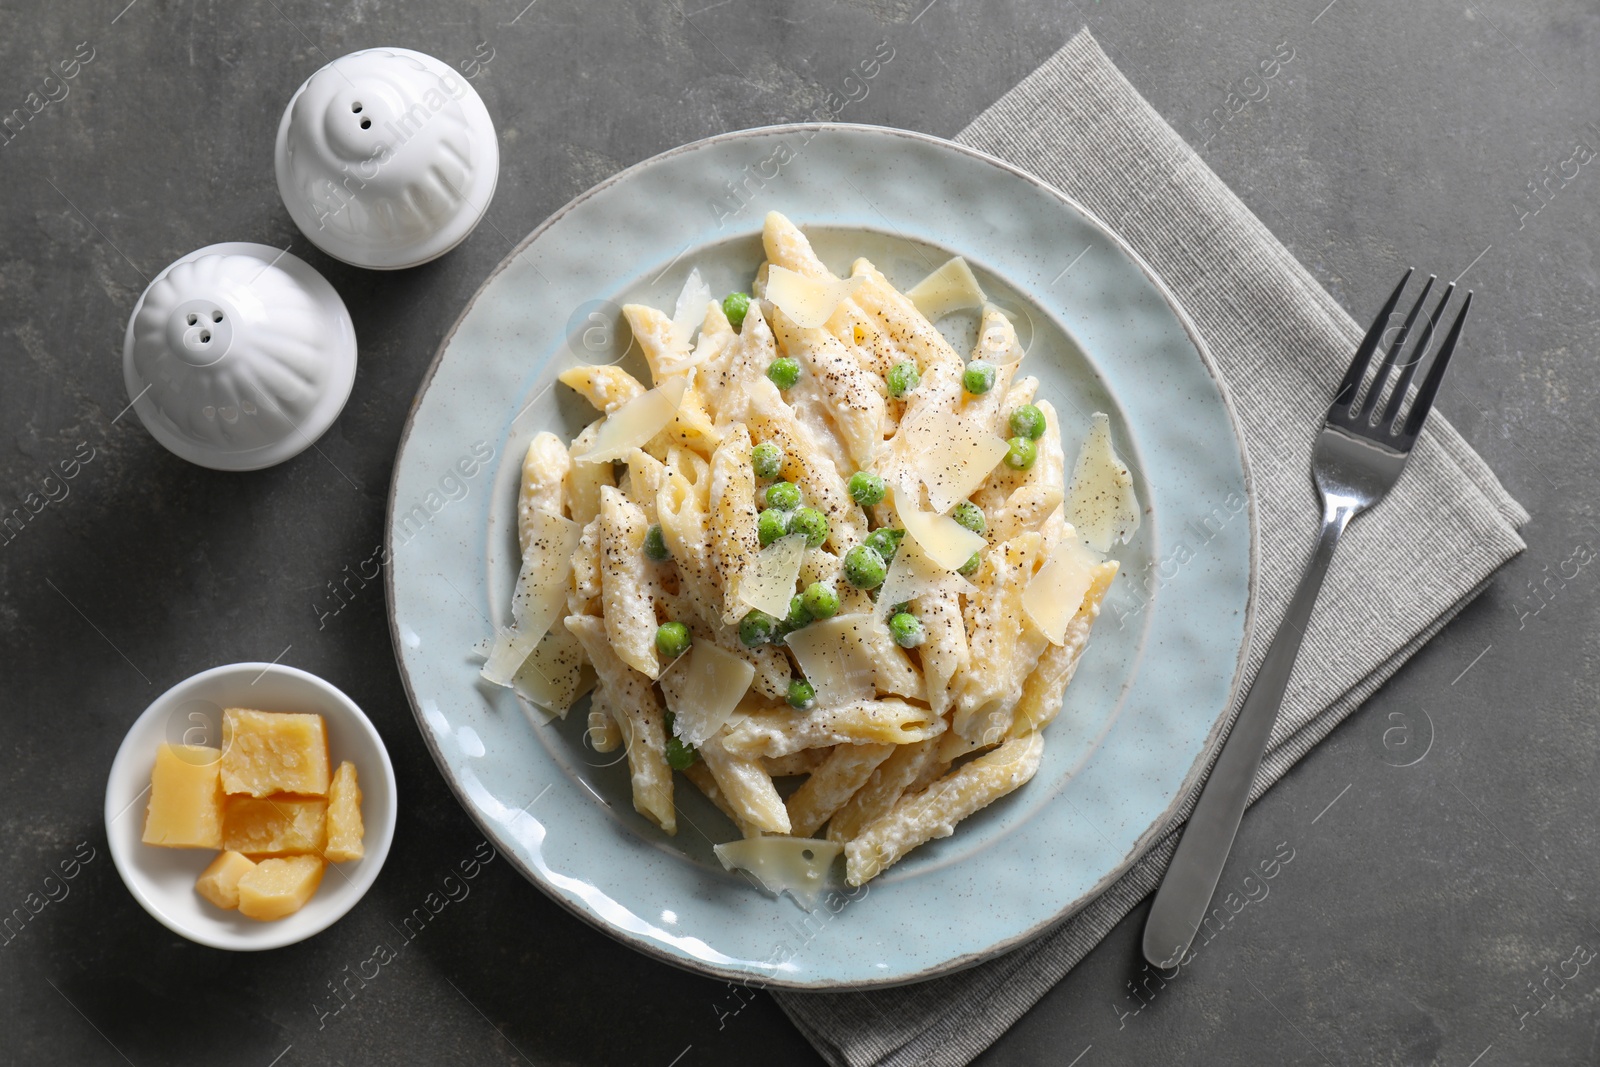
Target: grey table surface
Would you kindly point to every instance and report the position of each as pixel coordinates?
(1440, 907)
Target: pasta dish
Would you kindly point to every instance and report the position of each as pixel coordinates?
(818, 546)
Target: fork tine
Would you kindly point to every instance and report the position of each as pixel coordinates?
(1346, 396)
(1430, 385)
(1409, 369)
(1394, 352)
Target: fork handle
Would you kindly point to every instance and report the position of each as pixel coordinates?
(1185, 894)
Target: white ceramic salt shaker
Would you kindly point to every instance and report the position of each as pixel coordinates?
(238, 356)
(386, 158)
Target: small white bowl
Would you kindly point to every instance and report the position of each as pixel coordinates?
(162, 879)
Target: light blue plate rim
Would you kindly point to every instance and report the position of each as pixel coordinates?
(898, 930)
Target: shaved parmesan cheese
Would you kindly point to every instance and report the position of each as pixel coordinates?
(555, 674)
(511, 646)
(540, 597)
(634, 423)
(691, 309)
(836, 657)
(481, 647)
(541, 592)
(810, 302)
(998, 342)
(797, 865)
(911, 575)
(1101, 502)
(768, 583)
(952, 456)
(950, 288)
(946, 542)
(702, 690)
(1054, 595)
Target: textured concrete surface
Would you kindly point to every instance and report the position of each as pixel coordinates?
(1440, 912)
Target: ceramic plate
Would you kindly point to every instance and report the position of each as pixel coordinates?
(1103, 334)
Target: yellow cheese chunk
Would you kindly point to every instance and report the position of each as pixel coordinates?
(185, 798)
(268, 752)
(279, 887)
(344, 816)
(219, 883)
(274, 826)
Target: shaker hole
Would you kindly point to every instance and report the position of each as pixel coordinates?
(216, 316)
(366, 124)
(356, 107)
(205, 335)
(193, 318)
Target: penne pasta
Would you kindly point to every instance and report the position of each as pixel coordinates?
(733, 509)
(747, 788)
(625, 593)
(743, 526)
(832, 784)
(780, 732)
(935, 811)
(632, 702)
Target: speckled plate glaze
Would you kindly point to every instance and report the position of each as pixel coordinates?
(1148, 703)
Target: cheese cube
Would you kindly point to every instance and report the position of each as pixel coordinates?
(219, 883)
(279, 887)
(185, 798)
(344, 816)
(268, 752)
(273, 826)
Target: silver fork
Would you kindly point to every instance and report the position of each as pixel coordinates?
(1356, 460)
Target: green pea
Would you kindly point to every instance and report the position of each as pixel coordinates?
(1021, 454)
(757, 628)
(673, 639)
(971, 565)
(736, 306)
(771, 525)
(864, 568)
(1028, 421)
(907, 631)
(802, 694)
(812, 523)
(884, 542)
(978, 378)
(902, 378)
(785, 496)
(680, 757)
(767, 459)
(784, 372)
(866, 488)
(798, 615)
(655, 545)
(820, 601)
(970, 515)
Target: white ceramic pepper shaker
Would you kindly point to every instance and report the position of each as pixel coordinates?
(386, 158)
(238, 356)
